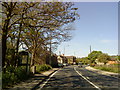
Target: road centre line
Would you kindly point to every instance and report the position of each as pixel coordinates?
(44, 83)
(87, 79)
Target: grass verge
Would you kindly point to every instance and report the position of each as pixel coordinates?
(110, 68)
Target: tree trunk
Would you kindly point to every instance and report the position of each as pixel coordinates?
(17, 45)
(4, 40)
(4, 34)
(4, 47)
(32, 58)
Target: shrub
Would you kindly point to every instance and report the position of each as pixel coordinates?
(44, 67)
(13, 75)
(20, 72)
(6, 79)
(10, 69)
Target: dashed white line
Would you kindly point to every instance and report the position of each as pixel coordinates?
(87, 80)
(44, 83)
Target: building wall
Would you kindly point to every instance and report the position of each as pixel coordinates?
(112, 62)
(59, 59)
(53, 61)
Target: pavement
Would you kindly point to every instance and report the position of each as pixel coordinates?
(33, 82)
(116, 75)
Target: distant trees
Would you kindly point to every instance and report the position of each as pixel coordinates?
(98, 56)
(83, 60)
(118, 57)
(104, 58)
(94, 55)
(35, 25)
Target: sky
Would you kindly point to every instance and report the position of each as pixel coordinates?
(97, 26)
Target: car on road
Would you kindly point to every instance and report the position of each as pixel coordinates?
(65, 64)
(79, 64)
(60, 65)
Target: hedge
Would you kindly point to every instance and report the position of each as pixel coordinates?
(41, 68)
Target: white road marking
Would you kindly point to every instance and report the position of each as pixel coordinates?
(87, 79)
(44, 83)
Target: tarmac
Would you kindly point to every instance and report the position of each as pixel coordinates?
(37, 79)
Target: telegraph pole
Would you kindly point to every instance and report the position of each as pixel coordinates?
(50, 48)
(59, 52)
(74, 53)
(90, 48)
(64, 50)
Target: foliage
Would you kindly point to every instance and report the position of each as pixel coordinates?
(111, 68)
(20, 72)
(103, 58)
(84, 60)
(35, 25)
(13, 75)
(118, 57)
(41, 68)
(93, 56)
(10, 56)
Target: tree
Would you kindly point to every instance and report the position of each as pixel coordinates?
(94, 55)
(104, 58)
(84, 60)
(44, 27)
(8, 14)
(12, 16)
(36, 25)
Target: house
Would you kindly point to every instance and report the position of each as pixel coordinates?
(59, 58)
(52, 60)
(113, 60)
(98, 63)
(62, 59)
(66, 59)
(71, 59)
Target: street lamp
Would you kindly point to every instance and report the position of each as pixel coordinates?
(64, 48)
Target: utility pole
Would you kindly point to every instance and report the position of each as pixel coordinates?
(50, 48)
(64, 50)
(90, 48)
(74, 53)
(59, 52)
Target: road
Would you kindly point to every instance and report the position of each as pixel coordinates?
(74, 77)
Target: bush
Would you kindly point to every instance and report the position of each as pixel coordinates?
(6, 79)
(20, 72)
(13, 75)
(44, 67)
(10, 69)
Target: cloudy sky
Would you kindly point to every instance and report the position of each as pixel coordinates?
(97, 26)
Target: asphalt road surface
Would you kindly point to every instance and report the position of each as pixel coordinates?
(79, 78)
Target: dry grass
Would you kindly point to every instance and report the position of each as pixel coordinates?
(111, 68)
